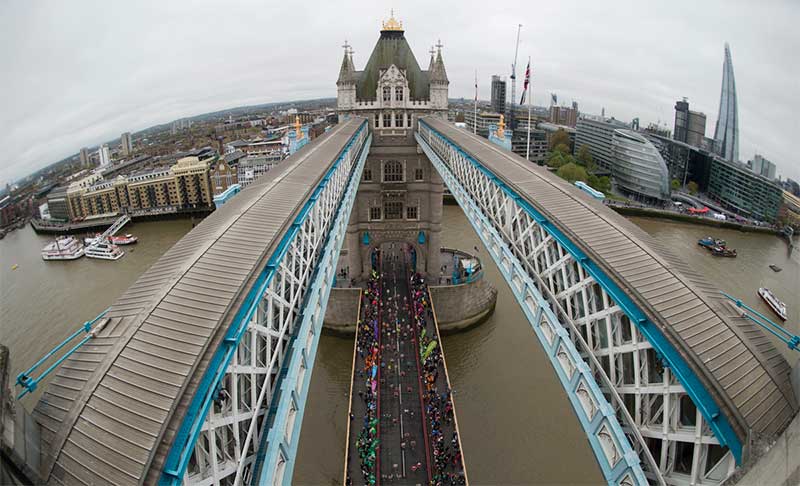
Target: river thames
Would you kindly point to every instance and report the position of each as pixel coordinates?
(516, 423)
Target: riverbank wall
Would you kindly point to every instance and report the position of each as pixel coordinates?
(458, 307)
(100, 224)
(687, 218)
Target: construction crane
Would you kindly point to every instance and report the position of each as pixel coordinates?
(511, 118)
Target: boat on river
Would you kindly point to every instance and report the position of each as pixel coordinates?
(63, 248)
(721, 251)
(127, 239)
(710, 242)
(104, 250)
(773, 302)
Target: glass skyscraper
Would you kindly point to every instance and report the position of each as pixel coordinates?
(727, 131)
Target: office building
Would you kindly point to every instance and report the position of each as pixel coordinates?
(483, 120)
(740, 190)
(638, 168)
(538, 147)
(499, 94)
(564, 115)
(249, 169)
(684, 162)
(84, 157)
(762, 166)
(690, 126)
(126, 144)
(104, 156)
(727, 131)
(550, 129)
(598, 135)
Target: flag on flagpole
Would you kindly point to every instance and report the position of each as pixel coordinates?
(527, 81)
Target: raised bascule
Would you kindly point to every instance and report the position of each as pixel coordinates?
(199, 373)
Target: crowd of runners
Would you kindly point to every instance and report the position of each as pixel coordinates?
(398, 357)
(447, 464)
(368, 349)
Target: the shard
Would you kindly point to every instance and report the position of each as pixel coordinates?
(727, 132)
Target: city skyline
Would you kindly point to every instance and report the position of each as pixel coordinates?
(72, 90)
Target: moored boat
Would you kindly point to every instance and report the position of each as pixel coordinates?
(721, 251)
(104, 250)
(710, 241)
(63, 248)
(773, 302)
(127, 239)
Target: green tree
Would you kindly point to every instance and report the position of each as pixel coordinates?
(572, 172)
(556, 160)
(563, 148)
(559, 138)
(676, 184)
(585, 156)
(692, 187)
(604, 184)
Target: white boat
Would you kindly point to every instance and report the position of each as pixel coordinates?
(127, 239)
(104, 250)
(64, 248)
(773, 302)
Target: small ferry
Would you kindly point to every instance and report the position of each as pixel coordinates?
(64, 248)
(710, 242)
(104, 250)
(127, 239)
(773, 302)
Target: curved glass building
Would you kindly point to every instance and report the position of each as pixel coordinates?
(639, 169)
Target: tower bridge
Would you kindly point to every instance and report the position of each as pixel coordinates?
(199, 372)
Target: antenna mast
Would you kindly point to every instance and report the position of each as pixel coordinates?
(512, 122)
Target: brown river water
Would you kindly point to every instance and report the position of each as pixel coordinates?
(516, 423)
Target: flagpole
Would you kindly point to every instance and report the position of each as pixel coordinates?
(530, 95)
(475, 124)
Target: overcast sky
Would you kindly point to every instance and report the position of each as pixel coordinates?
(77, 73)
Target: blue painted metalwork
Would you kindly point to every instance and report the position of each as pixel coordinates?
(365, 240)
(702, 399)
(421, 238)
(181, 449)
(629, 462)
(29, 384)
(303, 352)
(789, 339)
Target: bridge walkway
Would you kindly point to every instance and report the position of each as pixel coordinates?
(741, 370)
(406, 430)
(113, 409)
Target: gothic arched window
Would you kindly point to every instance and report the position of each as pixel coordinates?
(393, 171)
(387, 94)
(398, 93)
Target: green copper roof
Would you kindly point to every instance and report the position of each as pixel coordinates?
(392, 48)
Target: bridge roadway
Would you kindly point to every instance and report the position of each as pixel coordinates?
(397, 422)
(111, 412)
(736, 364)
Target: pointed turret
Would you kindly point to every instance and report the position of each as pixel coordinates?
(437, 72)
(437, 75)
(347, 71)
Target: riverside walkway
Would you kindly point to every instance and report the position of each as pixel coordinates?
(402, 427)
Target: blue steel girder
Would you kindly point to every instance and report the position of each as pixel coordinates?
(618, 461)
(269, 316)
(278, 447)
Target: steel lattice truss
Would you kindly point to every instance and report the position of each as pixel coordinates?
(660, 420)
(236, 425)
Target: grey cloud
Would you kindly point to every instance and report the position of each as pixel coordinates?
(81, 72)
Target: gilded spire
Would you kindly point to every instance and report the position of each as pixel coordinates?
(297, 131)
(392, 23)
(501, 127)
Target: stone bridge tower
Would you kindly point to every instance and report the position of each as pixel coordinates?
(400, 194)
